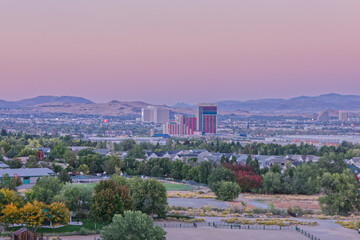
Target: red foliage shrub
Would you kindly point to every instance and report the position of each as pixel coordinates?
(245, 177)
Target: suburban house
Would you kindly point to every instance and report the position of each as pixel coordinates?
(103, 152)
(27, 175)
(279, 160)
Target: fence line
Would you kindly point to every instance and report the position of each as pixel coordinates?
(308, 235)
(236, 226)
(225, 225)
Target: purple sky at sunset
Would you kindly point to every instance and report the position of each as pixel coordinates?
(179, 50)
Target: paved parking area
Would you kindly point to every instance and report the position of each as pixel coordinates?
(329, 230)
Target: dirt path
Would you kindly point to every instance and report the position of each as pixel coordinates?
(215, 234)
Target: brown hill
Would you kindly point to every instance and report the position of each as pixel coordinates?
(113, 108)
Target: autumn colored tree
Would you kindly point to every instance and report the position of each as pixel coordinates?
(32, 215)
(57, 214)
(8, 196)
(10, 214)
(245, 177)
(248, 180)
(109, 199)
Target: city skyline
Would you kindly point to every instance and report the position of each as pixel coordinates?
(179, 51)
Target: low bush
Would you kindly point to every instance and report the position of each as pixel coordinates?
(259, 210)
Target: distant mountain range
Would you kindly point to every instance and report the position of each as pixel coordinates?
(79, 105)
(42, 100)
(301, 104)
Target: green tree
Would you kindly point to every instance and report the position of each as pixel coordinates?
(32, 162)
(332, 162)
(86, 151)
(111, 163)
(305, 178)
(254, 164)
(57, 168)
(341, 196)
(46, 188)
(220, 174)
(272, 182)
(64, 177)
(127, 144)
(193, 174)
(58, 151)
(10, 182)
(205, 169)
(83, 168)
(275, 168)
(93, 161)
(77, 197)
(132, 226)
(227, 191)
(14, 163)
(149, 196)
(136, 152)
(26, 152)
(160, 167)
(109, 199)
(176, 169)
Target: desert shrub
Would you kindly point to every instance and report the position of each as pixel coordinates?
(298, 212)
(259, 210)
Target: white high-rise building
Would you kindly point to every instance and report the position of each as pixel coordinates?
(323, 117)
(343, 116)
(155, 114)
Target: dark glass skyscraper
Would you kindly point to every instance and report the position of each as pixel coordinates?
(207, 118)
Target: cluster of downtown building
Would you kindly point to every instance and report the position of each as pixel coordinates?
(325, 116)
(204, 122)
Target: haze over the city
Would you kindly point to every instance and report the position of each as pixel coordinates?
(179, 51)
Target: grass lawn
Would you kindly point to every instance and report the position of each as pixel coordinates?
(169, 186)
(178, 187)
(86, 224)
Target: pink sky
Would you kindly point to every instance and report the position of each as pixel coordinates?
(179, 50)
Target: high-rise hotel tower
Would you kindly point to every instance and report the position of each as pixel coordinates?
(207, 118)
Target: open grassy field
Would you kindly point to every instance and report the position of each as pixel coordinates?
(178, 187)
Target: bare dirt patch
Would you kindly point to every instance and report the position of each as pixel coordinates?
(285, 201)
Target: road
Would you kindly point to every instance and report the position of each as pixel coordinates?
(196, 202)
